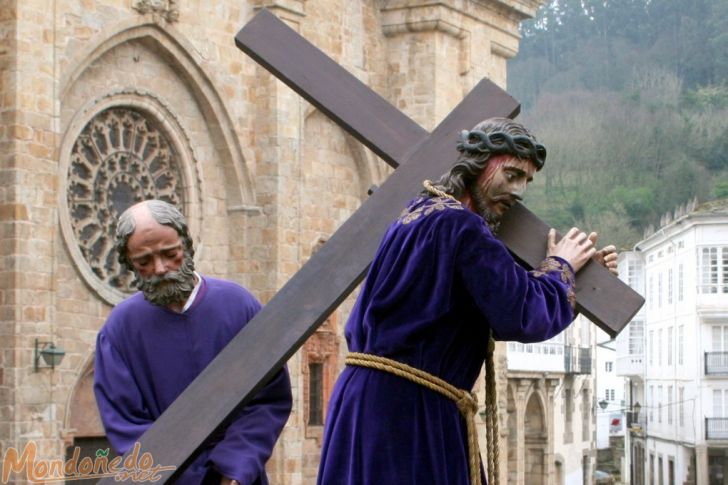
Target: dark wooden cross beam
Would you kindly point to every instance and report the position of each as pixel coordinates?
(390, 134)
(307, 299)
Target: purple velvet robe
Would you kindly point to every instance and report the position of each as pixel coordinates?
(439, 282)
(146, 355)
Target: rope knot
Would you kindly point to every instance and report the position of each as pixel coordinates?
(465, 401)
(468, 403)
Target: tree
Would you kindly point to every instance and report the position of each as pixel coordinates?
(625, 143)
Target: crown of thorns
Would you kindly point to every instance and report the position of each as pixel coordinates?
(476, 142)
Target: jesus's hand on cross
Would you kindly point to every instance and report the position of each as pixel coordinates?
(576, 247)
(607, 256)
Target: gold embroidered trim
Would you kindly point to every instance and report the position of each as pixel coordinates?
(426, 206)
(567, 276)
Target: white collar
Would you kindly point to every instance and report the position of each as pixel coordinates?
(193, 295)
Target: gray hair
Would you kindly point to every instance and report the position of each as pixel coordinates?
(165, 214)
(469, 165)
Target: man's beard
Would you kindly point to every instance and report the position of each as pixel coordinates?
(481, 207)
(169, 289)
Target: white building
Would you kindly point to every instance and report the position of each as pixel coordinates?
(630, 363)
(551, 409)
(610, 392)
(611, 407)
(680, 429)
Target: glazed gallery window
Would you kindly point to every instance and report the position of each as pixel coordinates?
(636, 337)
(680, 283)
(659, 404)
(659, 290)
(681, 406)
(634, 275)
(681, 344)
(659, 347)
(720, 403)
(719, 338)
(713, 270)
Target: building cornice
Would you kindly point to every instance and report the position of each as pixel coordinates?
(713, 212)
(400, 16)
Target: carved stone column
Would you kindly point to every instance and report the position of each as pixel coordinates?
(523, 386)
(701, 465)
(550, 385)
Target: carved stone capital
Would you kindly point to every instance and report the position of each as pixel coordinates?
(282, 8)
(407, 17)
(165, 9)
(416, 15)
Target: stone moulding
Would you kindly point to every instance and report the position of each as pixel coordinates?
(518, 9)
(186, 59)
(500, 50)
(434, 25)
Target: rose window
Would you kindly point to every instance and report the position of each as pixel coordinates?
(120, 158)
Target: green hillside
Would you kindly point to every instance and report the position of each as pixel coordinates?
(631, 100)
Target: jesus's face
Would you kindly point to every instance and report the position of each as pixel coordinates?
(500, 185)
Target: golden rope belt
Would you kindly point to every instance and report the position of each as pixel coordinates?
(467, 402)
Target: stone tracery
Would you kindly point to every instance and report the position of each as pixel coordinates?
(119, 158)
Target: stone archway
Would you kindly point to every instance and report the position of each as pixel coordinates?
(181, 55)
(535, 441)
(84, 433)
(83, 416)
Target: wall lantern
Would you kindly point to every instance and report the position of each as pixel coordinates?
(52, 355)
(603, 404)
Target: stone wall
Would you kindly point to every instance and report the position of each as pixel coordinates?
(264, 176)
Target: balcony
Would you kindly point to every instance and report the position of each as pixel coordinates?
(716, 428)
(711, 297)
(577, 360)
(541, 357)
(716, 363)
(549, 357)
(632, 365)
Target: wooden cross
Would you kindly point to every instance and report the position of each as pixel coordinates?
(316, 290)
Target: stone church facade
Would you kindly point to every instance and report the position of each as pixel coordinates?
(106, 102)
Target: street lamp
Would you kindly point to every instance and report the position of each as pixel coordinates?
(52, 355)
(636, 408)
